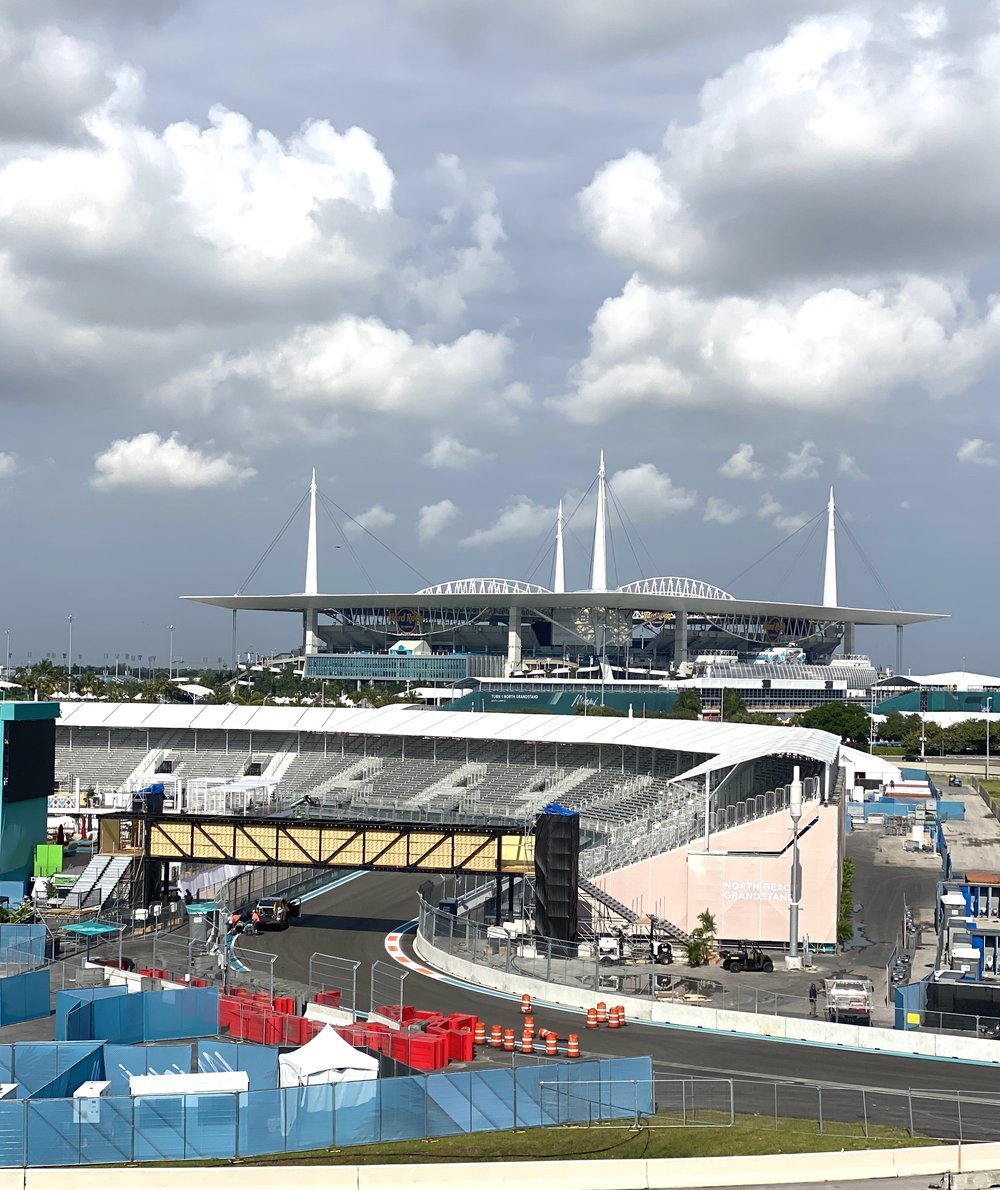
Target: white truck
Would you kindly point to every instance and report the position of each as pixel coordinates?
(849, 1001)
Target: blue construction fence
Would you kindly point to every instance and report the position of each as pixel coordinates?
(114, 1014)
(62, 1132)
(22, 945)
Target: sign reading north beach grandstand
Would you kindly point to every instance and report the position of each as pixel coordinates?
(761, 890)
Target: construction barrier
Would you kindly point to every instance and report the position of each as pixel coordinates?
(573, 1046)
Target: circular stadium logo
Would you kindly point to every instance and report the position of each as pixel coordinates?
(407, 621)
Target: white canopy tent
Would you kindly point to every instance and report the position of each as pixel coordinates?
(328, 1058)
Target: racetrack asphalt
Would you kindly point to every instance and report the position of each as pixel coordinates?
(352, 921)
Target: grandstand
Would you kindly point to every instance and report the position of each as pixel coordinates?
(641, 787)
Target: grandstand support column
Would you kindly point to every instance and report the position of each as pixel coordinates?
(513, 639)
(899, 648)
(848, 639)
(708, 810)
(680, 638)
(310, 632)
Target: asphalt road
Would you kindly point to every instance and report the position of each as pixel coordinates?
(353, 920)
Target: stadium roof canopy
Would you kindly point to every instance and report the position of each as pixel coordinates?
(611, 600)
(723, 744)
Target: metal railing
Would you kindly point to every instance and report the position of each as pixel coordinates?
(558, 962)
(825, 1109)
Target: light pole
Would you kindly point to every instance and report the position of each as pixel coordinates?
(795, 813)
(6, 663)
(170, 666)
(989, 709)
(69, 658)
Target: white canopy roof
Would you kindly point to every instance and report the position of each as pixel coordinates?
(328, 1058)
(735, 741)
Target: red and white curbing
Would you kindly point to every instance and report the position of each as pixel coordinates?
(393, 944)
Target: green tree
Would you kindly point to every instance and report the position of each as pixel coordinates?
(893, 727)
(687, 705)
(845, 924)
(702, 940)
(734, 709)
(846, 719)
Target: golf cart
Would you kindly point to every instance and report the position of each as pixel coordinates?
(748, 956)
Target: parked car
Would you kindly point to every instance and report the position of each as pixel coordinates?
(274, 913)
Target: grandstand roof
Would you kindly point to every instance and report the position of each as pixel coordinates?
(622, 600)
(722, 743)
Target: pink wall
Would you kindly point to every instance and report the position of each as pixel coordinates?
(748, 894)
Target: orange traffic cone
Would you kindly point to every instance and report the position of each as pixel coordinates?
(591, 1018)
(479, 1037)
(573, 1046)
(621, 1016)
(551, 1043)
(529, 1023)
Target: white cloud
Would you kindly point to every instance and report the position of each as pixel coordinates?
(976, 450)
(149, 461)
(876, 125)
(432, 519)
(448, 454)
(847, 465)
(48, 82)
(741, 464)
(375, 520)
(449, 273)
(326, 378)
(205, 262)
(8, 464)
(521, 519)
(803, 463)
(646, 492)
(721, 512)
(774, 511)
(654, 348)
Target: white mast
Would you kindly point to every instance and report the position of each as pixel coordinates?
(830, 570)
(559, 571)
(599, 569)
(312, 562)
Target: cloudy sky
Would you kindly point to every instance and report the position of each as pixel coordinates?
(446, 251)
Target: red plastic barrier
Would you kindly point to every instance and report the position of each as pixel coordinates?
(422, 1051)
(328, 999)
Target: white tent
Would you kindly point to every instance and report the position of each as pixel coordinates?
(328, 1058)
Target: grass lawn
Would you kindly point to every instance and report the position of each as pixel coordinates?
(992, 787)
(748, 1135)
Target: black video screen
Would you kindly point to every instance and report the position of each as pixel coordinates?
(29, 759)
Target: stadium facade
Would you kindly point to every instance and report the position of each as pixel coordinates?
(491, 627)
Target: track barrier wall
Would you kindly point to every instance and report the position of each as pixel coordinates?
(712, 1020)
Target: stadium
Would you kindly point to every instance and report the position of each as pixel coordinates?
(492, 628)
